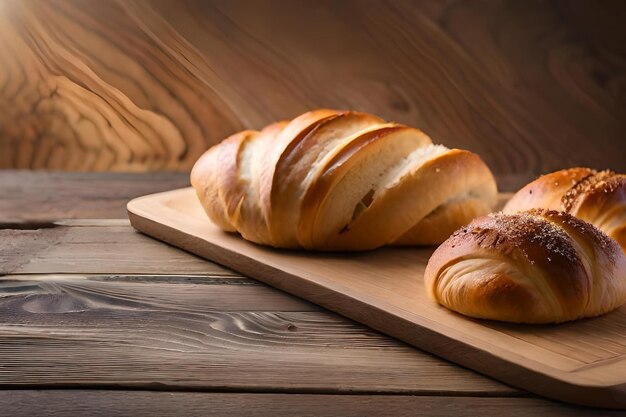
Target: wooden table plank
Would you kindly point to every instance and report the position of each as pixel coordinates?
(54, 293)
(95, 249)
(31, 196)
(145, 403)
(128, 332)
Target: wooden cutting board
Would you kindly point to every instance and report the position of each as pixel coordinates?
(582, 362)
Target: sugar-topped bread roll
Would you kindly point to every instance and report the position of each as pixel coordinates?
(341, 180)
(538, 266)
(598, 197)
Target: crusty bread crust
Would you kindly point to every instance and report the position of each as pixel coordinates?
(302, 183)
(537, 266)
(598, 197)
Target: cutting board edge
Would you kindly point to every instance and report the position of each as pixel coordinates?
(554, 383)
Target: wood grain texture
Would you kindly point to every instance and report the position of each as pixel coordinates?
(583, 362)
(95, 249)
(144, 403)
(41, 198)
(532, 86)
(134, 332)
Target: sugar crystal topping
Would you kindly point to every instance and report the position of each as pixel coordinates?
(602, 181)
(516, 230)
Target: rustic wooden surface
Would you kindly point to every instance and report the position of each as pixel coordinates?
(141, 403)
(532, 86)
(76, 312)
(36, 199)
(384, 289)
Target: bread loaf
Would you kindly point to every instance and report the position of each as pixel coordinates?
(598, 197)
(341, 180)
(538, 266)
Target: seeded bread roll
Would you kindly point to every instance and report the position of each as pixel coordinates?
(598, 197)
(538, 266)
(341, 180)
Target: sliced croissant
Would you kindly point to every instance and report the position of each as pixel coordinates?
(341, 180)
(598, 197)
(538, 266)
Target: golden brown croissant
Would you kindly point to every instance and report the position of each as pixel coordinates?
(341, 180)
(538, 266)
(598, 197)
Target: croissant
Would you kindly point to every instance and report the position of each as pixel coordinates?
(598, 197)
(538, 266)
(341, 180)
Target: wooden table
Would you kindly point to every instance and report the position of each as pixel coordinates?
(97, 319)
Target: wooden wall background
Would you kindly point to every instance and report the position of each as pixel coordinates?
(148, 85)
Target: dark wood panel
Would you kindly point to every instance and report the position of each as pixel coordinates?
(129, 332)
(144, 403)
(532, 86)
(44, 197)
